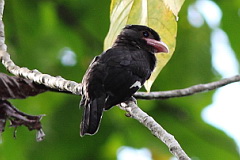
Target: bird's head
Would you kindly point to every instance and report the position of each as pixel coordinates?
(142, 37)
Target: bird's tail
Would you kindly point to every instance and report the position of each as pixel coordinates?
(92, 116)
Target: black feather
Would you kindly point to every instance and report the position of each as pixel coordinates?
(111, 76)
(92, 116)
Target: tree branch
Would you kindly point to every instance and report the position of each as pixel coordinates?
(135, 112)
(187, 91)
(70, 86)
(3, 46)
(57, 83)
(75, 88)
(18, 118)
(131, 107)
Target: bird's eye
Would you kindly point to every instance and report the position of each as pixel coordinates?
(145, 34)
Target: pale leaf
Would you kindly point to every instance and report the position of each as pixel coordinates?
(174, 5)
(152, 13)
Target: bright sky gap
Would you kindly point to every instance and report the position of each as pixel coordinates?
(225, 100)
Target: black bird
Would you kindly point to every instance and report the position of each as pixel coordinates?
(116, 74)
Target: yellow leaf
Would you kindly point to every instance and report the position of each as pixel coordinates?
(119, 12)
(174, 5)
(152, 13)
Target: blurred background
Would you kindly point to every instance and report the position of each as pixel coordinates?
(60, 37)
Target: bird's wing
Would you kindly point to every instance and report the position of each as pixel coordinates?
(126, 72)
(93, 97)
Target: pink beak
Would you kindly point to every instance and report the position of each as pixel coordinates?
(158, 45)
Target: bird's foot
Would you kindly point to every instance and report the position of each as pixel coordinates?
(125, 104)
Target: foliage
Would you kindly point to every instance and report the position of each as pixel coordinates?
(37, 32)
(144, 12)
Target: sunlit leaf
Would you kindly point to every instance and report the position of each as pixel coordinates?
(152, 13)
(174, 5)
(119, 12)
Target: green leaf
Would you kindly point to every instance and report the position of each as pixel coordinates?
(152, 13)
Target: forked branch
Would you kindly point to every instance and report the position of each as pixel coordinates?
(62, 85)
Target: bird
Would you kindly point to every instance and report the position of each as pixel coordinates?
(116, 74)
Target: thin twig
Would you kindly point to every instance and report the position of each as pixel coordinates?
(187, 91)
